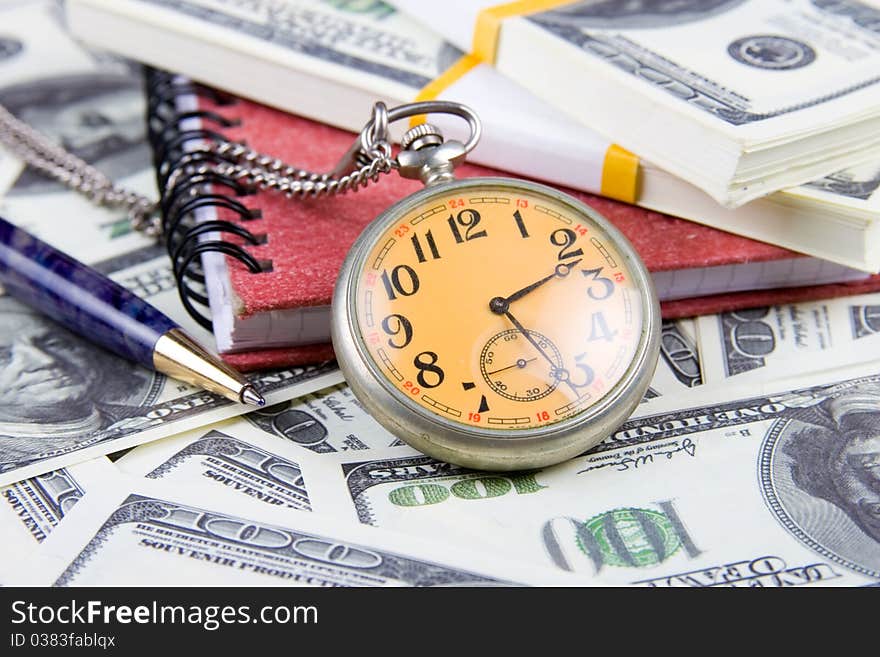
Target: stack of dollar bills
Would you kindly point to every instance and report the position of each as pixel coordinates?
(739, 97)
(752, 460)
(688, 108)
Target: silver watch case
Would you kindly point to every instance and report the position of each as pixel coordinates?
(477, 447)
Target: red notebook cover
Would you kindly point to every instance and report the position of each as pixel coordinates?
(307, 240)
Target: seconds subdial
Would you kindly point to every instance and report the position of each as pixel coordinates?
(516, 370)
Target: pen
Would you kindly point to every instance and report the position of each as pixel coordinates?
(96, 308)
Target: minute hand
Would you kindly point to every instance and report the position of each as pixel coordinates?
(522, 329)
(560, 271)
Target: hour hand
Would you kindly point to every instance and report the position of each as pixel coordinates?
(499, 305)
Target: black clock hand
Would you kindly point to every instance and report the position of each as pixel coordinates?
(522, 329)
(499, 305)
(522, 362)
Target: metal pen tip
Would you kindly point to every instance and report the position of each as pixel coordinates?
(249, 395)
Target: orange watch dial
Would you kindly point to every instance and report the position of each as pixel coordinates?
(501, 308)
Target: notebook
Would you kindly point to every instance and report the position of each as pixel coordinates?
(281, 314)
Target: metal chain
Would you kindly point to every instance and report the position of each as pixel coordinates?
(269, 173)
(237, 161)
(39, 152)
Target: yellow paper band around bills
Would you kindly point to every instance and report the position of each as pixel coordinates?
(620, 174)
(488, 26)
(620, 168)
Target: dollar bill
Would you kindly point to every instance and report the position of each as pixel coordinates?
(219, 457)
(678, 368)
(325, 421)
(31, 509)
(780, 341)
(64, 400)
(263, 454)
(241, 456)
(675, 41)
(853, 186)
(759, 73)
(143, 534)
(760, 485)
(90, 103)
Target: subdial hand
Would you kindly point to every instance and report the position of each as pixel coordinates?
(522, 362)
(499, 305)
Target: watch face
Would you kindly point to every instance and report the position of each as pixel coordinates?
(502, 307)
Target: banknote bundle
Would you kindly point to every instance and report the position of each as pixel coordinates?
(740, 98)
(752, 460)
(337, 58)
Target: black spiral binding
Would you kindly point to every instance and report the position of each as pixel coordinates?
(186, 184)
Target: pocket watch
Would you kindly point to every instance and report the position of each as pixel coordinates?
(493, 323)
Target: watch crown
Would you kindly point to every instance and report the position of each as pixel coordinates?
(420, 136)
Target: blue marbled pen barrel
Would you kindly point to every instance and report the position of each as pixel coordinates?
(102, 311)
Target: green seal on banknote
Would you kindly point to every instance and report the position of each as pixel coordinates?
(630, 537)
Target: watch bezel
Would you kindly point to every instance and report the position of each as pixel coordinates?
(483, 447)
